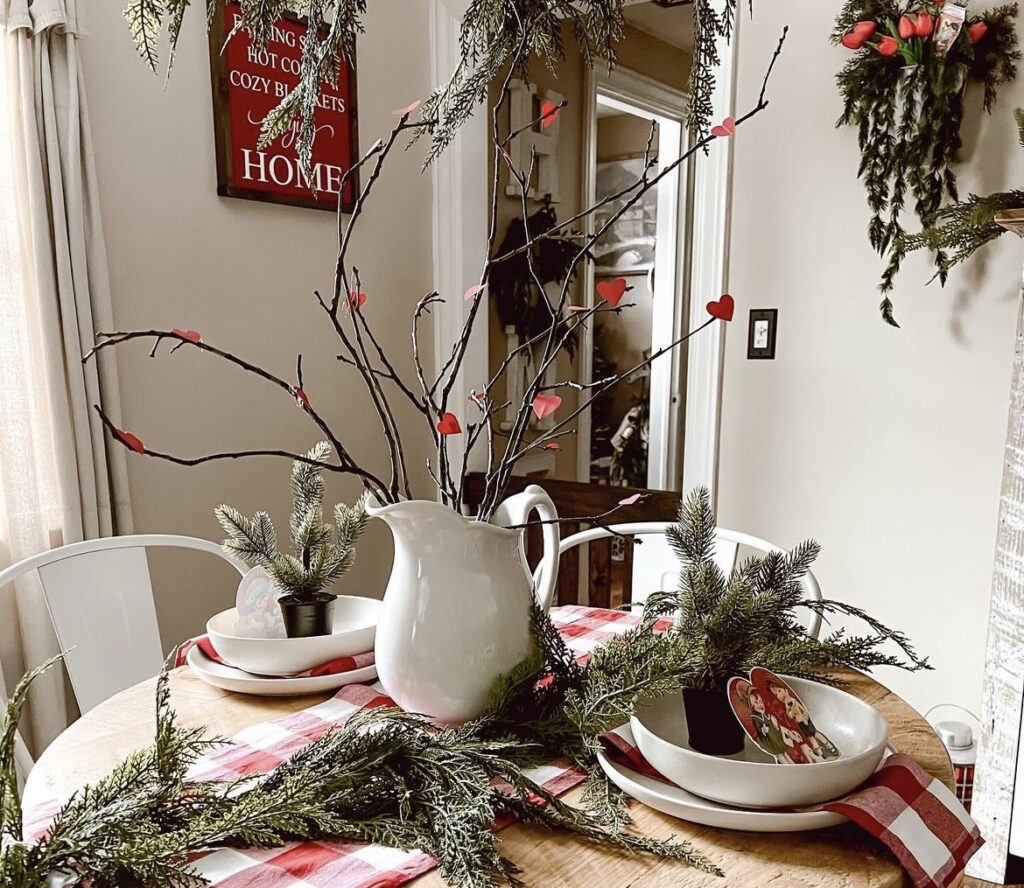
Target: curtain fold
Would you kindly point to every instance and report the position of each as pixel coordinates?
(60, 481)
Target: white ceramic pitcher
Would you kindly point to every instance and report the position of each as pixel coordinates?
(456, 612)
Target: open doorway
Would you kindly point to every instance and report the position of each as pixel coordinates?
(635, 434)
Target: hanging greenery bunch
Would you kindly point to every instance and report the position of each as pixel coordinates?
(961, 229)
(904, 90)
(398, 779)
(494, 33)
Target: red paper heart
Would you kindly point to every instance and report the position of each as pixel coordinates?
(356, 300)
(725, 129)
(545, 405)
(549, 112)
(612, 291)
(408, 109)
(475, 291)
(630, 500)
(301, 398)
(190, 335)
(448, 424)
(723, 308)
(132, 442)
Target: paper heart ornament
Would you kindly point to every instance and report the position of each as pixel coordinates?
(575, 309)
(549, 112)
(132, 442)
(631, 500)
(356, 300)
(545, 405)
(448, 424)
(552, 445)
(475, 291)
(612, 291)
(723, 308)
(301, 398)
(408, 109)
(725, 129)
(259, 615)
(191, 335)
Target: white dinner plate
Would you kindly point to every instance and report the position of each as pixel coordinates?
(679, 803)
(231, 679)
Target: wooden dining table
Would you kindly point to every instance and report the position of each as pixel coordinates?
(843, 856)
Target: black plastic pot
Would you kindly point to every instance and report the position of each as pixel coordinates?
(308, 619)
(713, 728)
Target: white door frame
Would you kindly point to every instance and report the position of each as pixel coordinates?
(636, 92)
(460, 224)
(460, 217)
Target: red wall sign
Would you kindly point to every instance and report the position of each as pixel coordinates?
(248, 82)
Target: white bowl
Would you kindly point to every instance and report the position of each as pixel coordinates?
(751, 778)
(355, 627)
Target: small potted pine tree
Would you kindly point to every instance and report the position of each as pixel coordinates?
(322, 552)
(727, 625)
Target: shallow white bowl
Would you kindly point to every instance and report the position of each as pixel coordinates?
(355, 627)
(751, 778)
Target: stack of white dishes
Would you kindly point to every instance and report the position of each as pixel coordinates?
(274, 666)
(749, 791)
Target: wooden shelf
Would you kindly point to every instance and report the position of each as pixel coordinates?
(1012, 220)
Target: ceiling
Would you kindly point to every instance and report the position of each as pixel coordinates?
(673, 25)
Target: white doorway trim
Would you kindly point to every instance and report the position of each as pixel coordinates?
(460, 224)
(636, 94)
(460, 218)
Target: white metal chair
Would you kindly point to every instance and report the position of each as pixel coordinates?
(656, 567)
(100, 598)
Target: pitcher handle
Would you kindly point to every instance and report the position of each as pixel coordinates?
(515, 511)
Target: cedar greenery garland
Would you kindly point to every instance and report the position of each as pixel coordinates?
(494, 33)
(961, 229)
(395, 778)
(908, 118)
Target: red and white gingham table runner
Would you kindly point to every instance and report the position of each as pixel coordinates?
(323, 864)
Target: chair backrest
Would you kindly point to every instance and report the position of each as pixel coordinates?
(657, 567)
(603, 577)
(100, 599)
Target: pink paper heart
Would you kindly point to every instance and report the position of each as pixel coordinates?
(356, 300)
(552, 445)
(725, 129)
(132, 442)
(576, 309)
(612, 291)
(408, 109)
(630, 500)
(191, 335)
(475, 291)
(723, 308)
(448, 424)
(545, 405)
(549, 112)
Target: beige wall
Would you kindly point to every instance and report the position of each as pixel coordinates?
(243, 273)
(884, 444)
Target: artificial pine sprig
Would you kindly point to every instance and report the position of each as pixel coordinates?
(323, 552)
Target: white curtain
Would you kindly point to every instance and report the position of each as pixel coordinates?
(60, 482)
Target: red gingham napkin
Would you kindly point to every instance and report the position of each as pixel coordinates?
(331, 667)
(903, 806)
